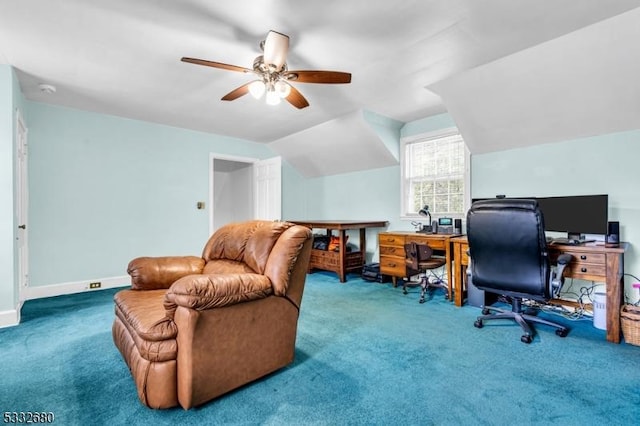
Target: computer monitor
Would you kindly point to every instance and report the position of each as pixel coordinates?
(578, 214)
(574, 214)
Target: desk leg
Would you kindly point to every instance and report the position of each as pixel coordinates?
(447, 254)
(363, 246)
(459, 273)
(343, 255)
(615, 286)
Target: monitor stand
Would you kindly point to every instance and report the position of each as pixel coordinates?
(573, 236)
(572, 240)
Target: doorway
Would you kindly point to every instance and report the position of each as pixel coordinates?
(242, 189)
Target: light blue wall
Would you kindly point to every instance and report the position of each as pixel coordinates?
(583, 166)
(370, 194)
(596, 165)
(105, 189)
(8, 291)
(387, 129)
(427, 125)
(294, 193)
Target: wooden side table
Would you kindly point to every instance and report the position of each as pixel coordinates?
(340, 261)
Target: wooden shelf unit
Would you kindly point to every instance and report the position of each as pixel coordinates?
(340, 261)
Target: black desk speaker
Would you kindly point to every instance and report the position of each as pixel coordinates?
(457, 226)
(613, 233)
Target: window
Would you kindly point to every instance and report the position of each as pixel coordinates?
(435, 172)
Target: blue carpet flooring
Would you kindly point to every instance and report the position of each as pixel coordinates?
(366, 354)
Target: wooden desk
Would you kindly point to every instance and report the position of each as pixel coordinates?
(592, 262)
(392, 255)
(340, 261)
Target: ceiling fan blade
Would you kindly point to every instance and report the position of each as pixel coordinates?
(236, 93)
(276, 46)
(215, 64)
(296, 99)
(325, 77)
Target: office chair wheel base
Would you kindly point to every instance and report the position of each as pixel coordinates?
(526, 338)
(485, 311)
(404, 291)
(422, 300)
(562, 332)
(478, 324)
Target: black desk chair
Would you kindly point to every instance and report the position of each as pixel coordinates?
(420, 260)
(508, 256)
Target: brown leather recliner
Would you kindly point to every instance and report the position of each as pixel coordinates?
(193, 328)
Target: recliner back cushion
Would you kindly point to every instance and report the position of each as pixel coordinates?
(249, 243)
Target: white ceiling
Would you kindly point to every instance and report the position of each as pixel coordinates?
(122, 57)
(583, 84)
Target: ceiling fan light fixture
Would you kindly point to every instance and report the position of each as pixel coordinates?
(274, 77)
(257, 89)
(273, 98)
(282, 88)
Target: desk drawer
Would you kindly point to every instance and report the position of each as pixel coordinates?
(584, 265)
(434, 243)
(581, 257)
(392, 251)
(392, 265)
(390, 240)
(586, 271)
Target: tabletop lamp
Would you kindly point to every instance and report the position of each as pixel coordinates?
(425, 212)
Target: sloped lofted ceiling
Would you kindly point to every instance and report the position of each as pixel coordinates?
(582, 84)
(357, 142)
(122, 58)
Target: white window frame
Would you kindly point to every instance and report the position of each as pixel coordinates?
(404, 189)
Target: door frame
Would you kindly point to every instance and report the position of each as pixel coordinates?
(212, 158)
(239, 159)
(22, 204)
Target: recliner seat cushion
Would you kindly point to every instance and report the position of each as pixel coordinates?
(144, 316)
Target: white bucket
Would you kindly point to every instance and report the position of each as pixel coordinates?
(600, 310)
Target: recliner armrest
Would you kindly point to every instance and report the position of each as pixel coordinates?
(154, 273)
(201, 292)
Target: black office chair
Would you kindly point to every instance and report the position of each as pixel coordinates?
(419, 259)
(508, 256)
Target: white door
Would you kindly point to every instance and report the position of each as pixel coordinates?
(267, 184)
(264, 185)
(22, 206)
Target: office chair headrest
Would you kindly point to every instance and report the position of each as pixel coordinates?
(505, 203)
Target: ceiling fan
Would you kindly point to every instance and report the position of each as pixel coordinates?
(274, 77)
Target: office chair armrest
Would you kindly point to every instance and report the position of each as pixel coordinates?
(557, 279)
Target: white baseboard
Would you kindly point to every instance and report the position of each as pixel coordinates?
(38, 292)
(10, 318)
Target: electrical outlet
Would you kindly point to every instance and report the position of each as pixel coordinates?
(97, 284)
